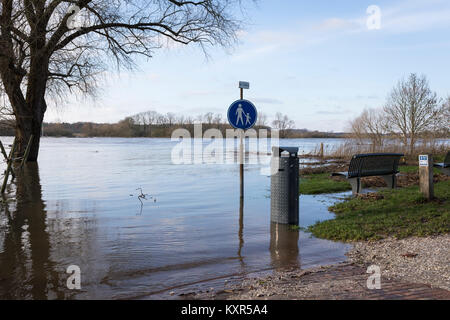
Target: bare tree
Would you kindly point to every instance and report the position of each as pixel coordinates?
(218, 119)
(262, 119)
(189, 120)
(372, 125)
(161, 119)
(283, 124)
(43, 55)
(170, 118)
(209, 117)
(357, 130)
(444, 129)
(412, 109)
(151, 118)
(181, 120)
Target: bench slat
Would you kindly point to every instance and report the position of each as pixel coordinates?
(376, 164)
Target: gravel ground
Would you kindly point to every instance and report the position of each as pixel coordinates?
(417, 260)
(296, 284)
(409, 262)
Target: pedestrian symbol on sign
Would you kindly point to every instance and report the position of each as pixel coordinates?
(242, 114)
(239, 113)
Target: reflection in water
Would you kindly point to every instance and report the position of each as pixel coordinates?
(284, 250)
(83, 215)
(26, 270)
(241, 228)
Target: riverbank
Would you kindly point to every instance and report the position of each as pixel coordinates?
(318, 180)
(416, 268)
(397, 230)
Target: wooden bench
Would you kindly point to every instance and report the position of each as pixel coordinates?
(369, 165)
(445, 166)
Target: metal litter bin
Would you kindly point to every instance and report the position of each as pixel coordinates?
(284, 186)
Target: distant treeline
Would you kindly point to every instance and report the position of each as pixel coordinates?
(128, 128)
(153, 126)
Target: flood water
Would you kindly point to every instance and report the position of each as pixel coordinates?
(80, 206)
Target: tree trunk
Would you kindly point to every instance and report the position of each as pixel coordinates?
(412, 145)
(30, 115)
(29, 118)
(28, 110)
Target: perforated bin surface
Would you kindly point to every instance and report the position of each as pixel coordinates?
(284, 189)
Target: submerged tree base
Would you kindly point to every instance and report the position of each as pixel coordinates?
(396, 213)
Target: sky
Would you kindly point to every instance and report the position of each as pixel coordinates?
(316, 61)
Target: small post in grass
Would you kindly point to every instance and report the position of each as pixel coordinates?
(426, 176)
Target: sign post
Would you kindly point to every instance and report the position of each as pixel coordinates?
(426, 176)
(242, 115)
(241, 150)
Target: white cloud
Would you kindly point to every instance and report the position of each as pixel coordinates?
(402, 17)
(190, 94)
(267, 101)
(338, 24)
(406, 22)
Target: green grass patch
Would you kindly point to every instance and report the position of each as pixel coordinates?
(408, 169)
(322, 183)
(402, 213)
(414, 169)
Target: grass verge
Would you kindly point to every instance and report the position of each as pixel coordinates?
(322, 183)
(400, 213)
(414, 169)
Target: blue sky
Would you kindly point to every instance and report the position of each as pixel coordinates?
(315, 61)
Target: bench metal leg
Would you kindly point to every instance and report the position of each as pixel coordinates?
(356, 185)
(391, 181)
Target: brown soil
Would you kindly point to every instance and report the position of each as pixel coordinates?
(370, 196)
(403, 180)
(326, 168)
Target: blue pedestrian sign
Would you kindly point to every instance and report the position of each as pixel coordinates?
(242, 114)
